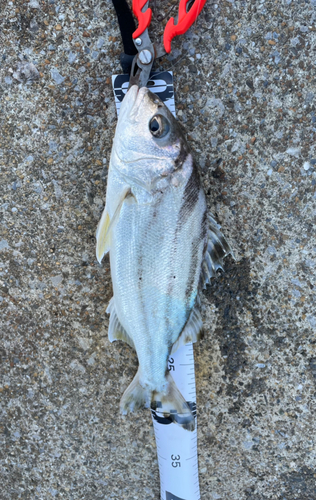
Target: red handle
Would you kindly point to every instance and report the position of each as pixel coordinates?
(185, 21)
(144, 18)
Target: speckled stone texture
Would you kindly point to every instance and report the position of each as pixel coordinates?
(245, 80)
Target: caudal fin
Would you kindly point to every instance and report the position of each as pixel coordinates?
(169, 402)
(172, 404)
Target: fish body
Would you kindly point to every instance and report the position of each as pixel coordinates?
(157, 229)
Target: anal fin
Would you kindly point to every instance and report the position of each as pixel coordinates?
(116, 330)
(192, 331)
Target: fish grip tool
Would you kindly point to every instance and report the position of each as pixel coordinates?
(140, 65)
(188, 13)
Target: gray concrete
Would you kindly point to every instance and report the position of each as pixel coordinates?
(245, 80)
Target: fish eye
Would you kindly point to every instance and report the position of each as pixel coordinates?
(159, 126)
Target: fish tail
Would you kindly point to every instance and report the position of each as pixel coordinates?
(169, 402)
(172, 404)
(135, 396)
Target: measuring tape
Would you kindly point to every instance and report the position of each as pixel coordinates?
(176, 447)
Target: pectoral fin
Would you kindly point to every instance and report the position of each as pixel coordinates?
(105, 226)
(116, 330)
(102, 236)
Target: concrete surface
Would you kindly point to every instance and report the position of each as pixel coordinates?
(245, 79)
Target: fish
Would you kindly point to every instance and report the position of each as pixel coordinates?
(164, 248)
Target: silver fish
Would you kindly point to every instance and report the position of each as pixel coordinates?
(164, 247)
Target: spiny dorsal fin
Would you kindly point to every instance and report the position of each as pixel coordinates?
(116, 330)
(217, 249)
(192, 331)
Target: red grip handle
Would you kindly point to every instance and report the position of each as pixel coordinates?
(185, 21)
(144, 18)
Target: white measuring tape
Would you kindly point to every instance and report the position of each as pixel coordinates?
(176, 447)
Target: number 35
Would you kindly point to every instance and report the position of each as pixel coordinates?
(175, 463)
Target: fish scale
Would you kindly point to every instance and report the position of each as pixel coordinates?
(154, 309)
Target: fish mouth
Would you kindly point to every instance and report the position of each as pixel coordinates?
(135, 95)
(140, 94)
(132, 108)
(131, 103)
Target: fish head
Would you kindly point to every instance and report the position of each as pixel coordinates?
(149, 144)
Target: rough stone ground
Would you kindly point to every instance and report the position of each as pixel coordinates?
(246, 83)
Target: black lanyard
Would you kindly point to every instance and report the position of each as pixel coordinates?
(127, 28)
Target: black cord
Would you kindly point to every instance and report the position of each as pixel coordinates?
(127, 26)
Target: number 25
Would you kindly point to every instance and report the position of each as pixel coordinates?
(171, 364)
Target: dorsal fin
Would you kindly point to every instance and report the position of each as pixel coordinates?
(192, 331)
(217, 249)
(116, 330)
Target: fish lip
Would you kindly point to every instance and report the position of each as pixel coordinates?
(140, 95)
(128, 103)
